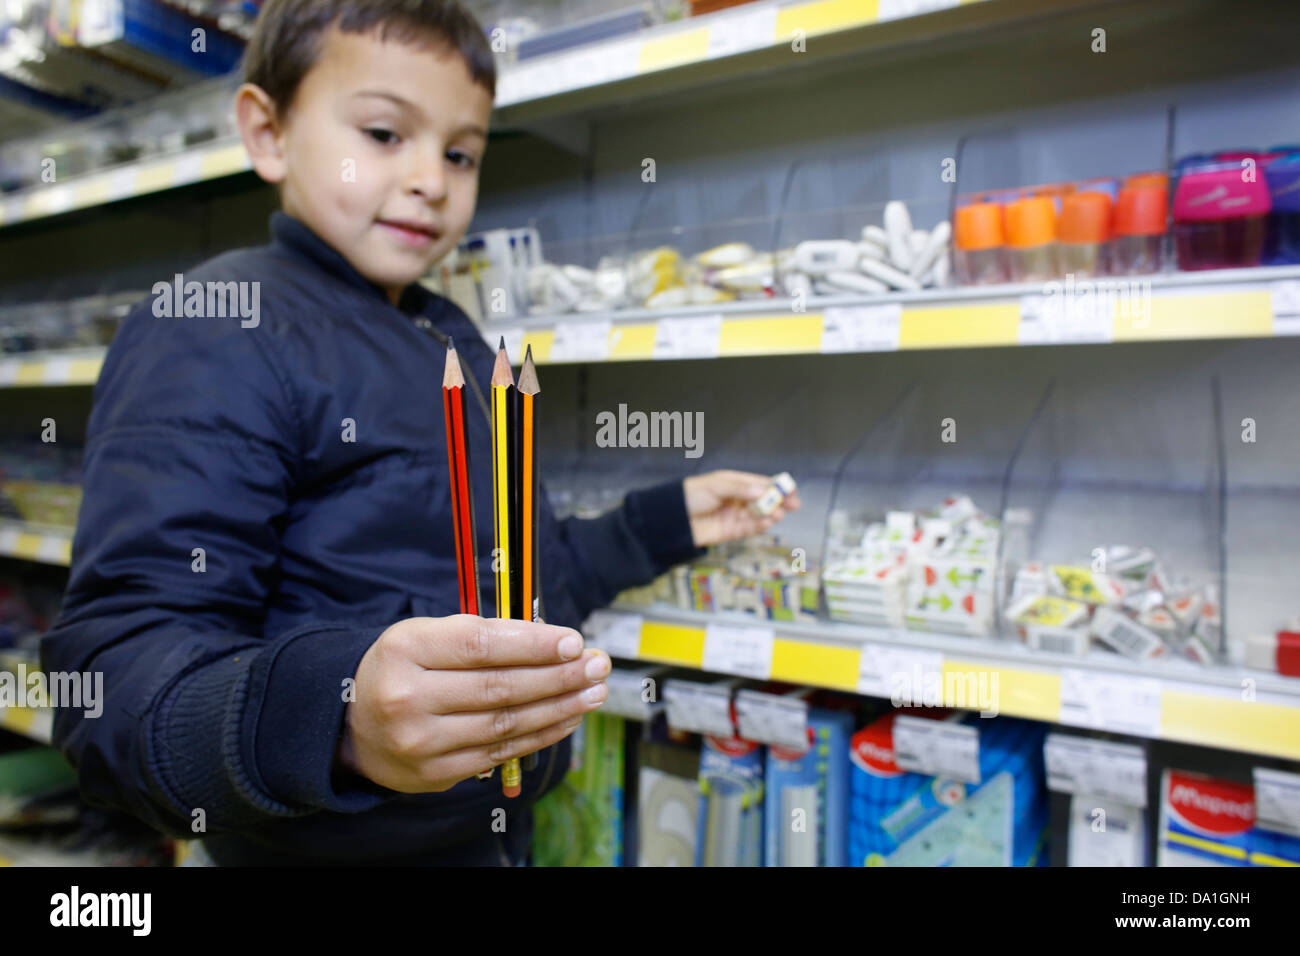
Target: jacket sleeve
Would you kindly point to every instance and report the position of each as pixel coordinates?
(190, 460)
(626, 547)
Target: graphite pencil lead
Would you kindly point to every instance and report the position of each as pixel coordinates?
(528, 383)
(501, 373)
(452, 377)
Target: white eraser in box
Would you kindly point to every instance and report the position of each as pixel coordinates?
(821, 256)
(898, 228)
(876, 236)
(887, 274)
(855, 282)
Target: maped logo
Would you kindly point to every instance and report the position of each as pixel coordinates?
(872, 750)
(1212, 807)
(733, 746)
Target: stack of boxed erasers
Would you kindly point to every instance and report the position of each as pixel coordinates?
(932, 570)
(1131, 607)
(757, 576)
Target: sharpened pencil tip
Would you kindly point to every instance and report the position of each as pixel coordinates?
(503, 343)
(501, 373)
(451, 344)
(452, 377)
(528, 383)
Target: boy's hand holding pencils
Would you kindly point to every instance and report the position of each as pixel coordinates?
(439, 700)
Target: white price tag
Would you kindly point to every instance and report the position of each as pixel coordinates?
(937, 748)
(772, 719)
(1115, 702)
(581, 342)
(1112, 771)
(52, 549)
(746, 651)
(744, 30)
(9, 371)
(688, 337)
(699, 708)
(616, 633)
(632, 693)
(1277, 800)
(885, 671)
(121, 183)
(8, 540)
(189, 168)
(619, 59)
(57, 371)
(861, 328)
(1073, 313)
(1285, 297)
(58, 199)
(897, 9)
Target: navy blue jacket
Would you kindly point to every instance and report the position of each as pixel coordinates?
(224, 686)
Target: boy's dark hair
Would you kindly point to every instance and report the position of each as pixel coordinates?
(287, 37)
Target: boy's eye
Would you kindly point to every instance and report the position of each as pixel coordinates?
(463, 160)
(381, 135)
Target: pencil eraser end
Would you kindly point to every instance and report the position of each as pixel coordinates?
(511, 791)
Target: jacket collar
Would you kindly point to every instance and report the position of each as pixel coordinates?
(297, 238)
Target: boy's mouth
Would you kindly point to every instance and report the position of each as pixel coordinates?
(411, 232)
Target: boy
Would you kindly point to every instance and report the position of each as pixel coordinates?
(263, 568)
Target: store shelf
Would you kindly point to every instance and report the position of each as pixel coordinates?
(1229, 304)
(211, 161)
(753, 38)
(696, 52)
(40, 543)
(70, 367)
(1248, 711)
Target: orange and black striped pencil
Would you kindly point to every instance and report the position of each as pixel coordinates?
(529, 390)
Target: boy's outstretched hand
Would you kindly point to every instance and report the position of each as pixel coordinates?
(718, 506)
(439, 700)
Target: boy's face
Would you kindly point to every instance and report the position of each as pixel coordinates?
(381, 153)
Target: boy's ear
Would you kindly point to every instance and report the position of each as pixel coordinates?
(259, 127)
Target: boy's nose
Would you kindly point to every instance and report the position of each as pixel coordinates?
(427, 177)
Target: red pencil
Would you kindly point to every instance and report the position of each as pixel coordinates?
(462, 496)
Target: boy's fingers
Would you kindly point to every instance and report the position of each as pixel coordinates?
(457, 731)
(467, 691)
(738, 484)
(467, 641)
(464, 764)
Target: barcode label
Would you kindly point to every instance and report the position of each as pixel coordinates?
(937, 748)
(1110, 770)
(738, 650)
(616, 633)
(1116, 702)
(700, 708)
(1277, 800)
(1125, 636)
(580, 342)
(772, 719)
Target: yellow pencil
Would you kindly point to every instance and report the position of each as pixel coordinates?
(504, 511)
